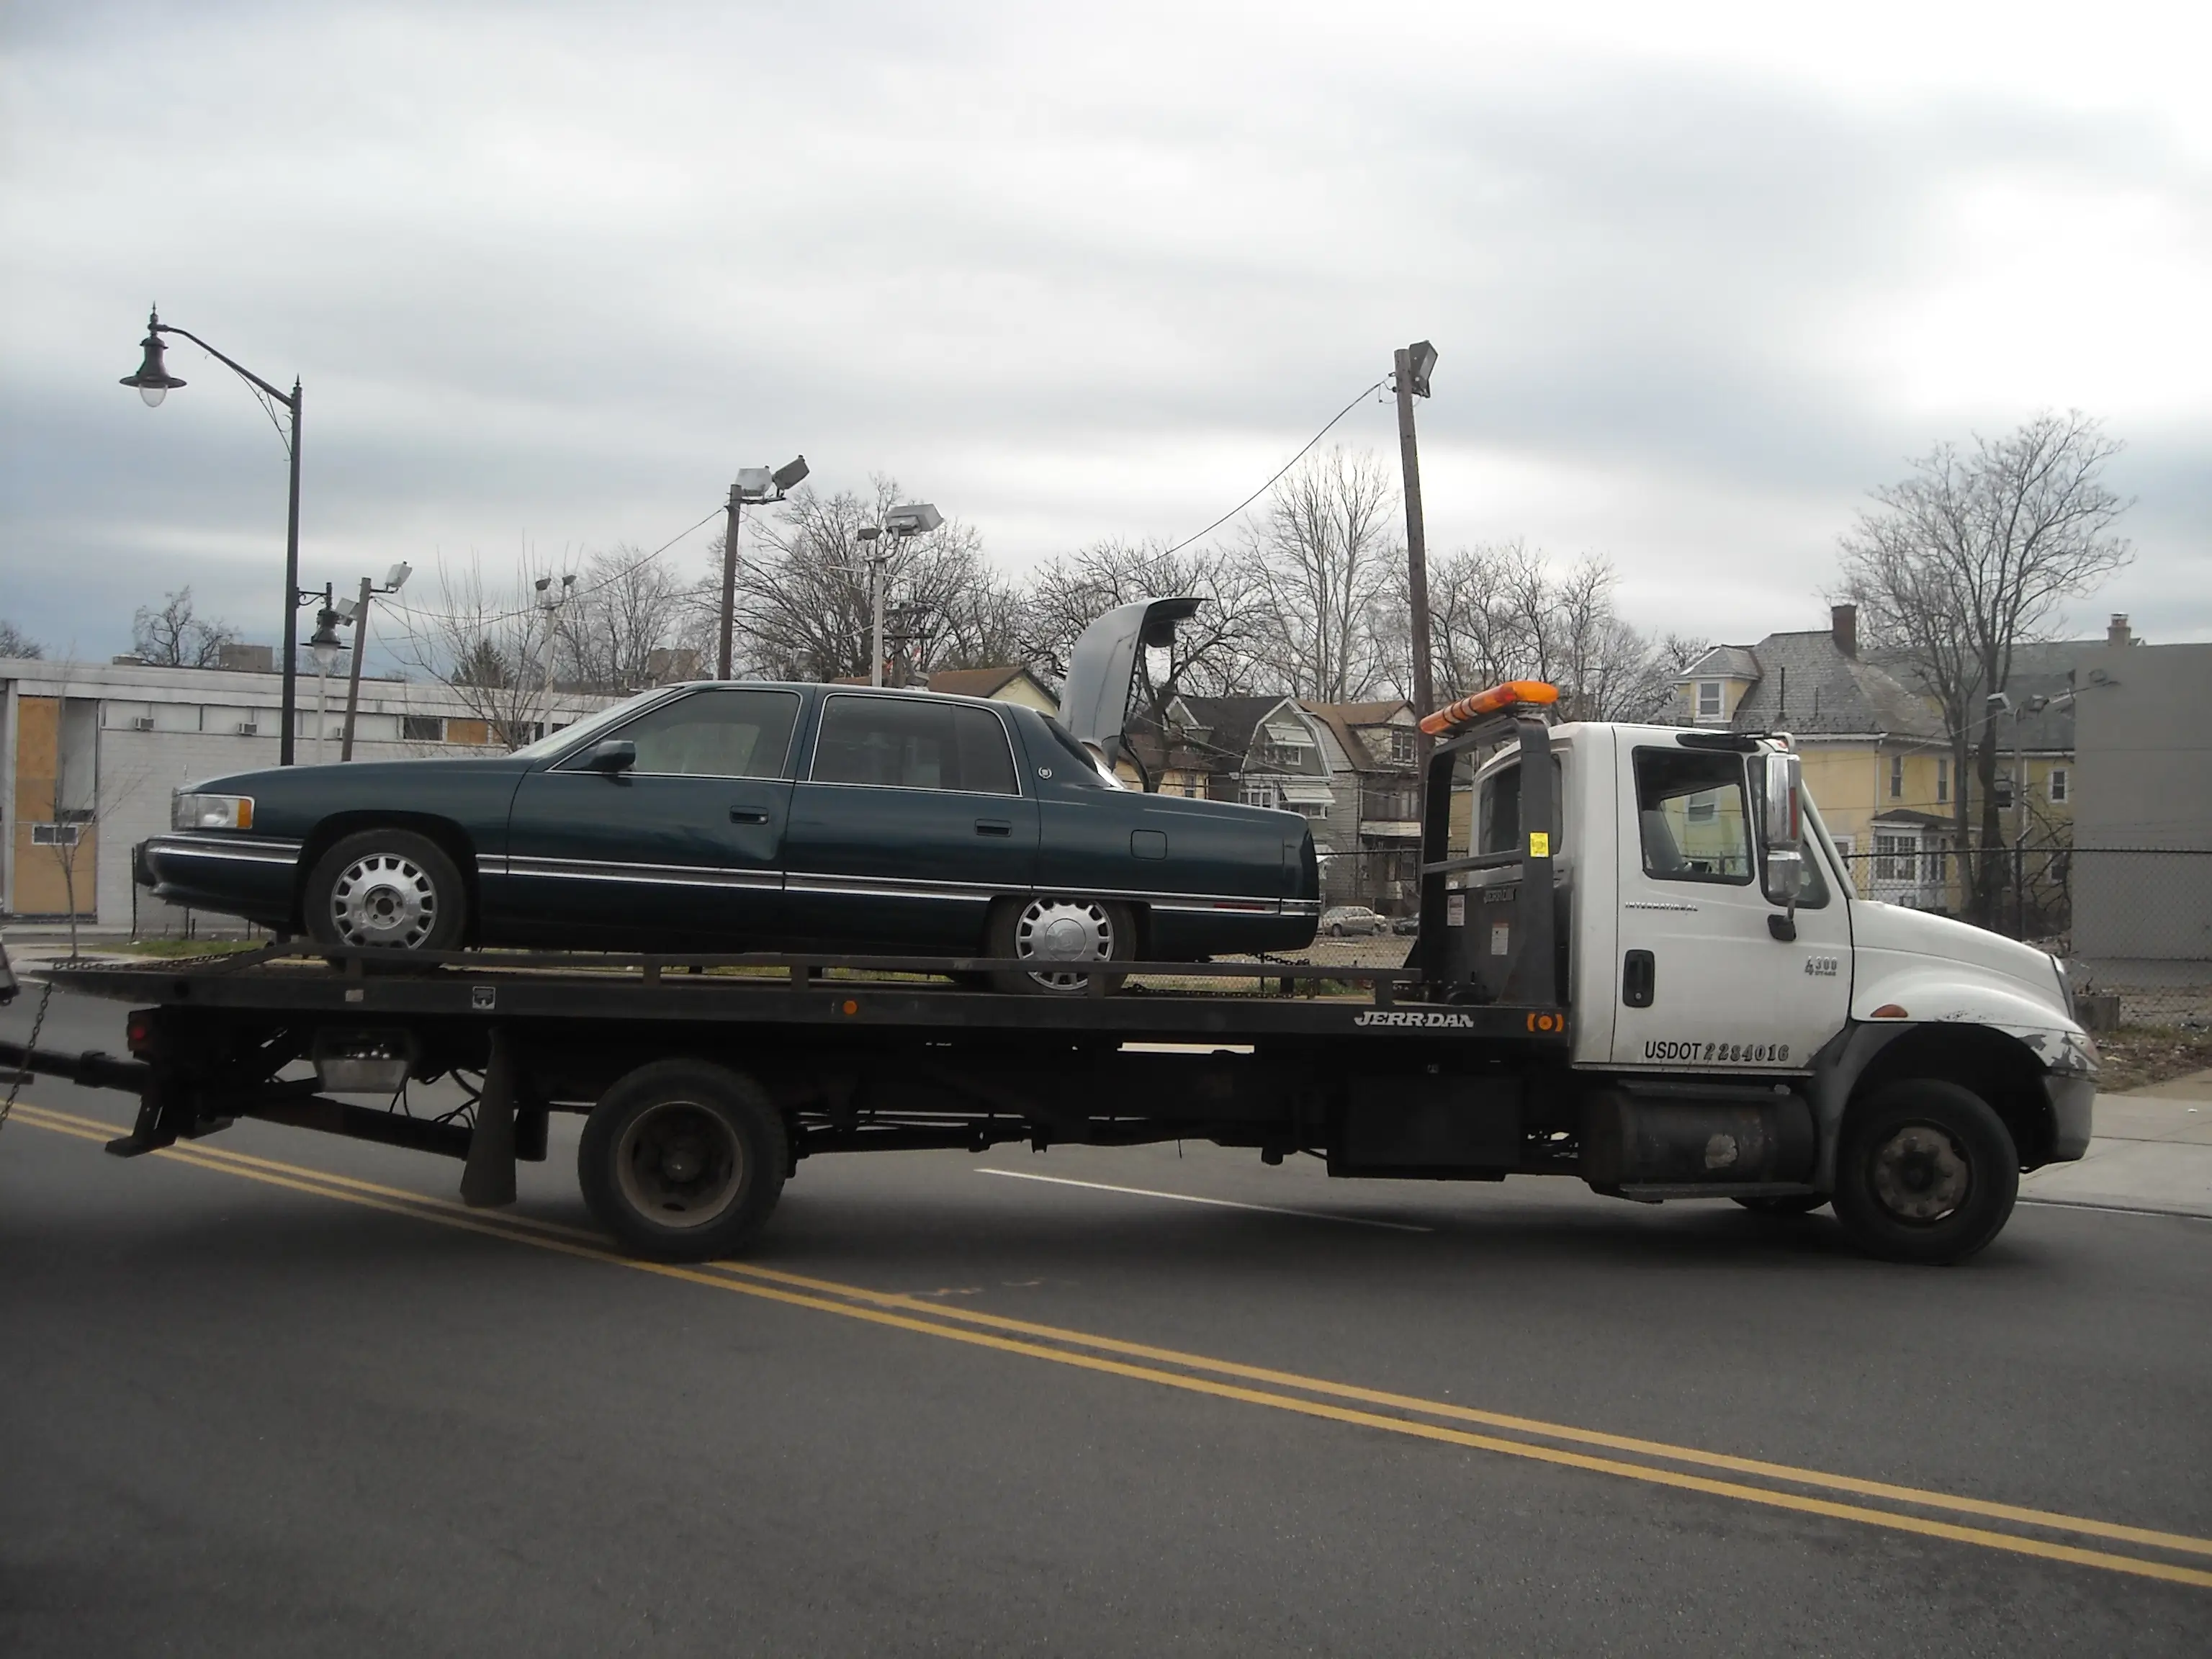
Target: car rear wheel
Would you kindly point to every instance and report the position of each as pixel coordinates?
(1063, 935)
(683, 1161)
(1925, 1172)
(386, 890)
(1336, 930)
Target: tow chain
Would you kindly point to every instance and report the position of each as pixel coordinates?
(38, 1022)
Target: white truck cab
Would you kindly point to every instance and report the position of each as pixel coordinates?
(1744, 1025)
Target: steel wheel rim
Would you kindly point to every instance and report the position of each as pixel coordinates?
(384, 900)
(1921, 1176)
(680, 1165)
(1064, 930)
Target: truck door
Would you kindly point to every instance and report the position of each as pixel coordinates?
(1700, 979)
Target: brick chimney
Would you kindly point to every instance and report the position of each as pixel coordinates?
(2119, 633)
(1843, 628)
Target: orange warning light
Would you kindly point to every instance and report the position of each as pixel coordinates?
(1489, 703)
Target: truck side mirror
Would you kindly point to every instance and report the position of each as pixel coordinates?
(1785, 875)
(1778, 804)
(610, 756)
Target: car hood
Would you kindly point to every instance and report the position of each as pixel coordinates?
(355, 776)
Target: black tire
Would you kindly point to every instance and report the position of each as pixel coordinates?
(387, 889)
(1016, 923)
(1336, 930)
(1926, 1173)
(1784, 1203)
(683, 1161)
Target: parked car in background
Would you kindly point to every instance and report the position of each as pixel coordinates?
(1406, 927)
(1352, 920)
(731, 816)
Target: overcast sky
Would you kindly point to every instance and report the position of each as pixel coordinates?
(551, 273)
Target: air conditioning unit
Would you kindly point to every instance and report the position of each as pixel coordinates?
(142, 723)
(249, 728)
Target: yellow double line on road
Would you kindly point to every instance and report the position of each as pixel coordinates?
(1780, 1485)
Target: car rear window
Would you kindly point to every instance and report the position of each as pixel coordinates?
(1085, 774)
(908, 743)
(720, 734)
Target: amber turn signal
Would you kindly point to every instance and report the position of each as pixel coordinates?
(1489, 703)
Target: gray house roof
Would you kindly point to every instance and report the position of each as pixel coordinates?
(1734, 662)
(2045, 670)
(1807, 685)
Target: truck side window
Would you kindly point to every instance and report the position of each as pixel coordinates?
(1690, 811)
(1500, 810)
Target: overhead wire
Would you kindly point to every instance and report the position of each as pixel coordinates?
(1281, 469)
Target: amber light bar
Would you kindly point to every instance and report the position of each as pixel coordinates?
(1489, 703)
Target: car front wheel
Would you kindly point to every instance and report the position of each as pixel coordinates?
(388, 890)
(1064, 936)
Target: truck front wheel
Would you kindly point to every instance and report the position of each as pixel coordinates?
(1926, 1173)
(682, 1161)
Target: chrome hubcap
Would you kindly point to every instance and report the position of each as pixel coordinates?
(680, 1165)
(1919, 1174)
(1064, 930)
(384, 900)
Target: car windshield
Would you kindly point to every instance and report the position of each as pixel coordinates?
(554, 742)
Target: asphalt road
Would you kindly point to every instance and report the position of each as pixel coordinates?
(247, 1408)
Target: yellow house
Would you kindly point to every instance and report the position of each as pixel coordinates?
(1875, 755)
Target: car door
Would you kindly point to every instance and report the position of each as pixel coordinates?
(684, 847)
(1703, 981)
(911, 818)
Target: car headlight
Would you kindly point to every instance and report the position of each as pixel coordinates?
(211, 812)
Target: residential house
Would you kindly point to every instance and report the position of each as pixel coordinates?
(1876, 757)
(89, 753)
(1011, 683)
(1374, 828)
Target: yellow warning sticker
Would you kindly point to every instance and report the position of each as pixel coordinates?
(1539, 844)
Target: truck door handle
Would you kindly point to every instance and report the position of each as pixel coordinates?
(748, 815)
(1639, 977)
(995, 826)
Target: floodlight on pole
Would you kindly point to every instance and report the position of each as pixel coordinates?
(755, 486)
(394, 579)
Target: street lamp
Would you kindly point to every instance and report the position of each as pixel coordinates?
(755, 485)
(356, 611)
(901, 523)
(154, 382)
(324, 646)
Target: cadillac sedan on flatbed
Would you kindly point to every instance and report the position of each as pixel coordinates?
(738, 817)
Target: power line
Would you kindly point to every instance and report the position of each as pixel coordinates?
(1285, 467)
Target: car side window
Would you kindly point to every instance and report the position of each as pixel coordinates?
(908, 743)
(1690, 812)
(720, 734)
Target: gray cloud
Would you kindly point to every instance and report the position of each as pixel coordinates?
(550, 274)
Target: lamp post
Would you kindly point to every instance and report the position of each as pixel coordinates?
(154, 382)
(902, 524)
(394, 579)
(324, 647)
(755, 485)
(1410, 370)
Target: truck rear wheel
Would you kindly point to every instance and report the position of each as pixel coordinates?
(682, 1161)
(1926, 1172)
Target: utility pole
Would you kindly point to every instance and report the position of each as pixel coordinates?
(729, 582)
(872, 535)
(393, 578)
(1410, 368)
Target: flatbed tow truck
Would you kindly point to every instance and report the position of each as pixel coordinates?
(1640, 966)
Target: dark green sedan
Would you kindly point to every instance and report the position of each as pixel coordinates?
(748, 817)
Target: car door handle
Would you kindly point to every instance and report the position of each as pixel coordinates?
(748, 815)
(995, 826)
(1639, 979)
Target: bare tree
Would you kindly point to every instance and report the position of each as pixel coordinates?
(1320, 554)
(1503, 612)
(83, 797)
(1973, 555)
(805, 606)
(633, 622)
(491, 647)
(14, 642)
(174, 637)
(1213, 652)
